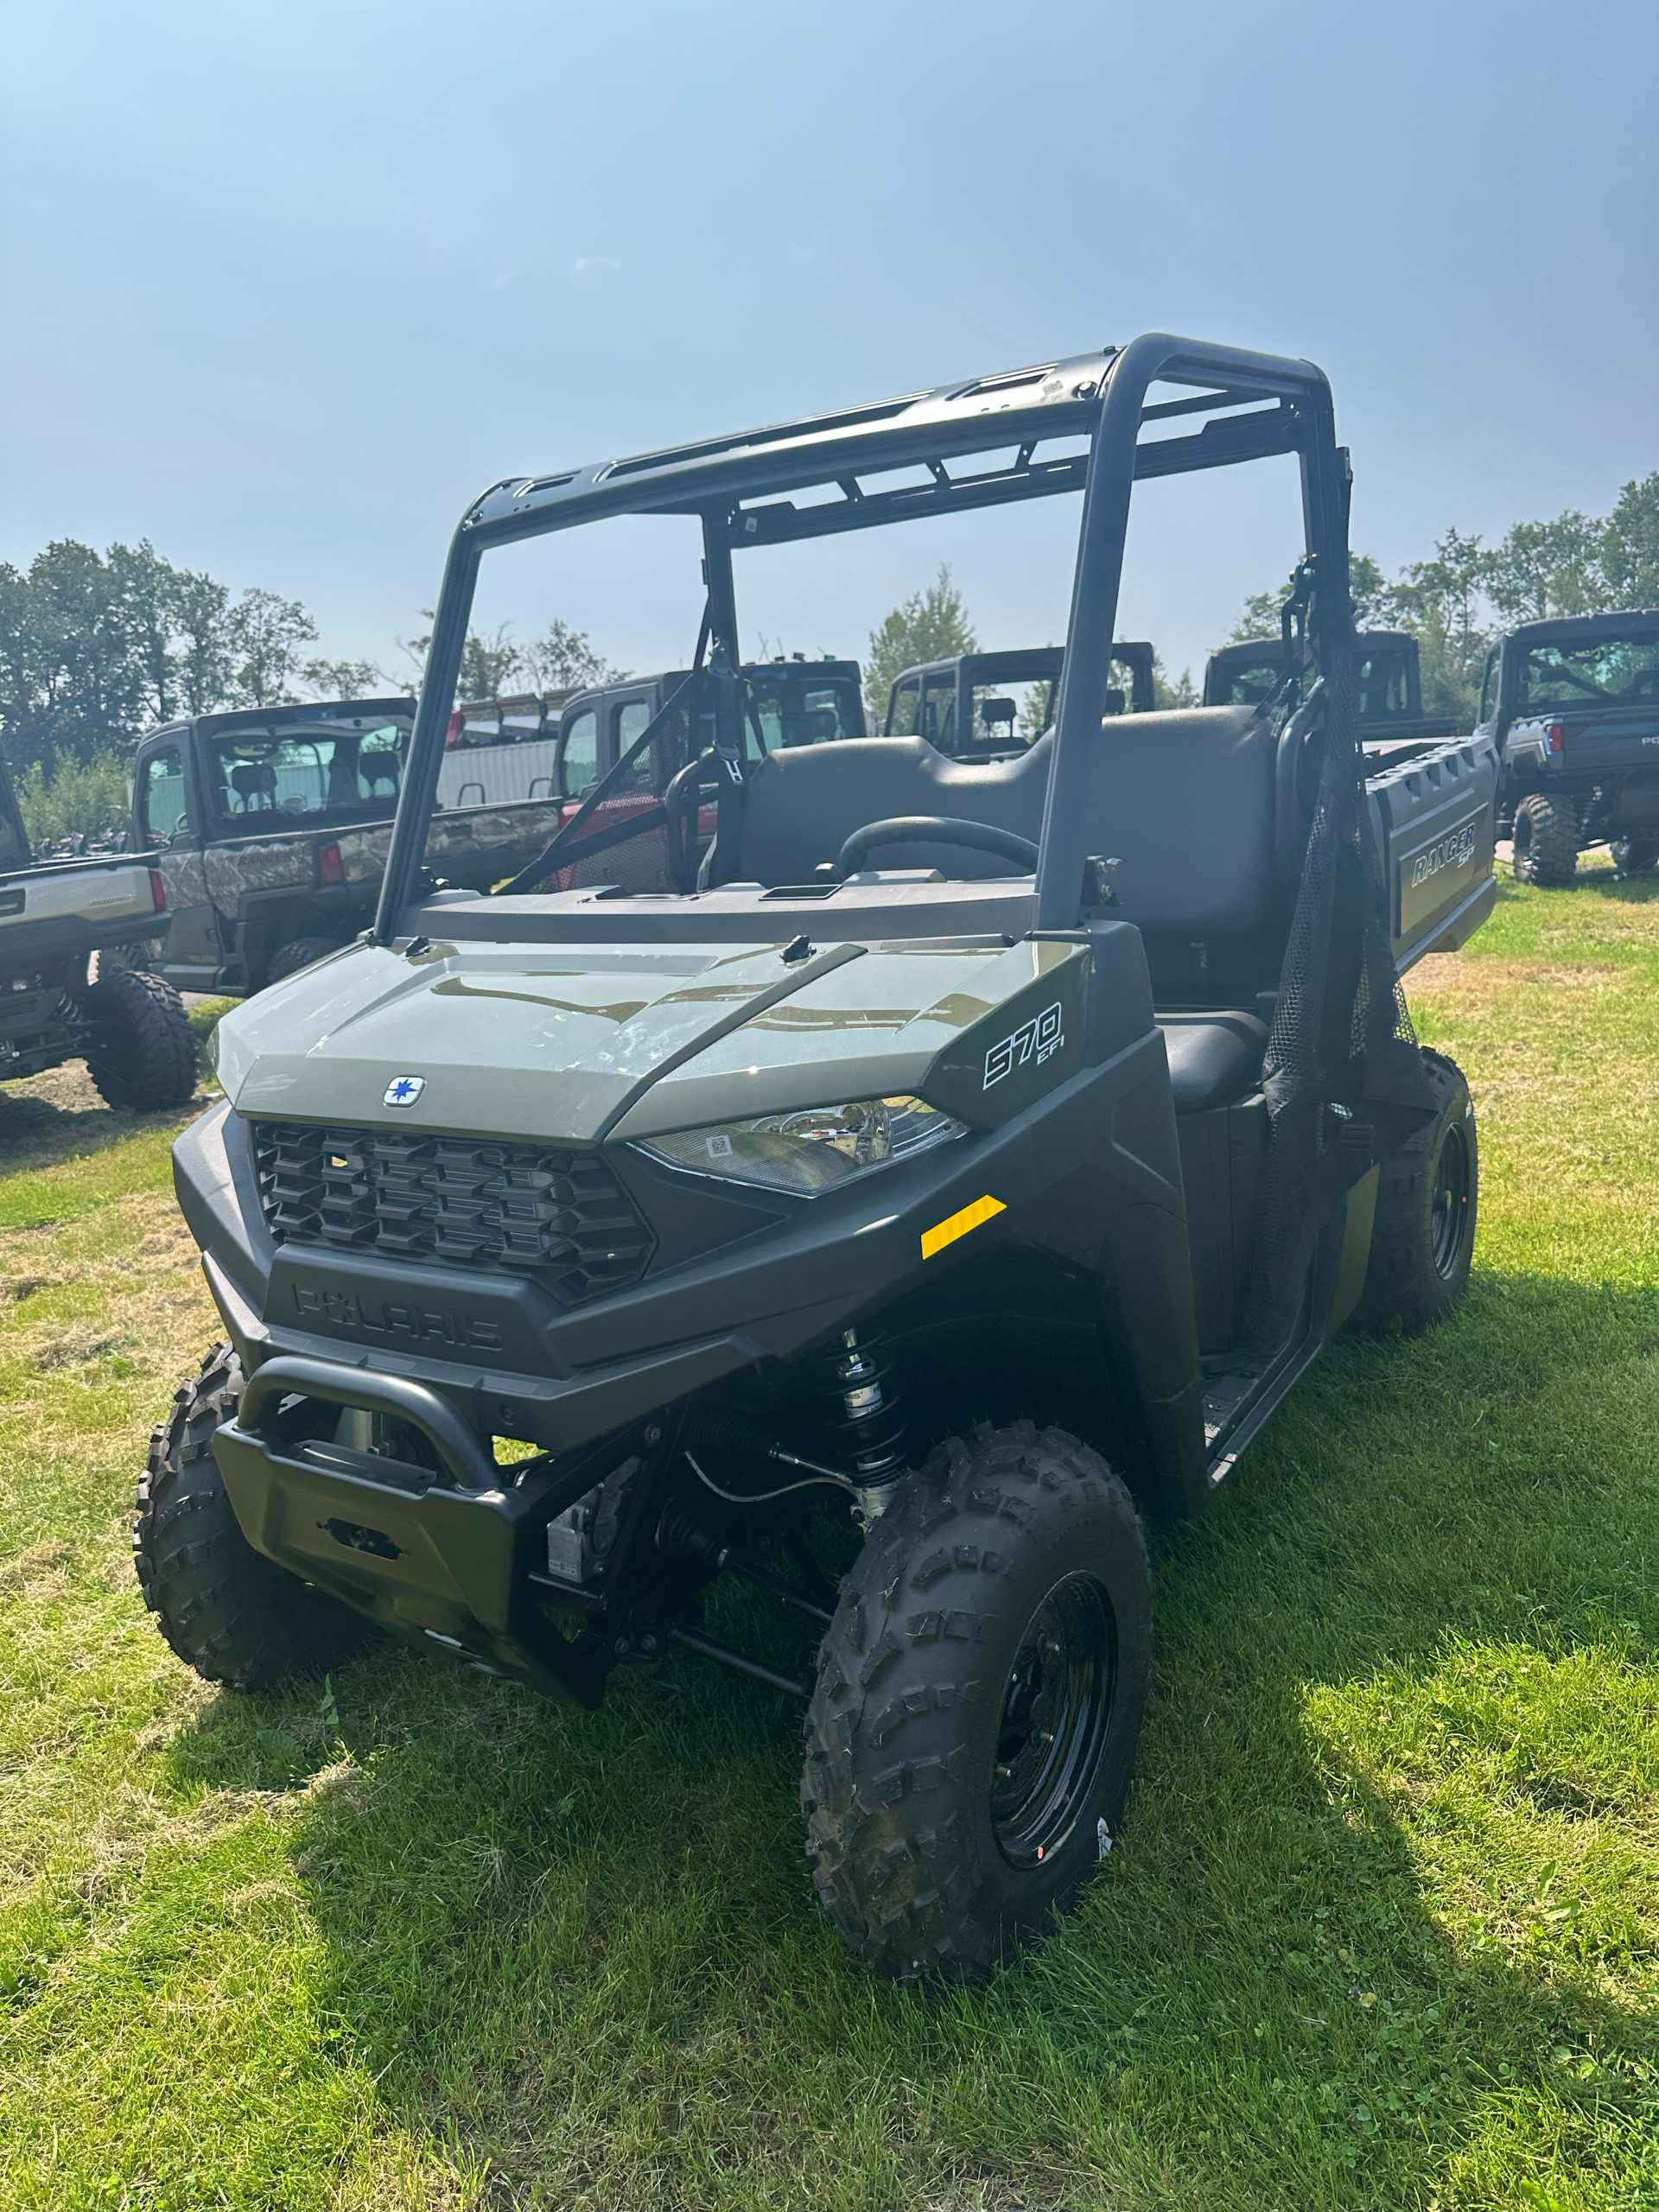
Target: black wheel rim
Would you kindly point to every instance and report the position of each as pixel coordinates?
(1050, 1732)
(1450, 1203)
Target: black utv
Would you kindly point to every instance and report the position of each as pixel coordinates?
(965, 1170)
(1574, 708)
(1391, 686)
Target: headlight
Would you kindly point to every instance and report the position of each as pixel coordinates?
(815, 1149)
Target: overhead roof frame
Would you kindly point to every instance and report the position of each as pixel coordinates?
(1101, 396)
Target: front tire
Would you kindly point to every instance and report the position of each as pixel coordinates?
(1544, 843)
(979, 1703)
(142, 1050)
(1427, 1202)
(230, 1612)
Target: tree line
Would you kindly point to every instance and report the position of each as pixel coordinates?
(1461, 601)
(96, 648)
(1457, 603)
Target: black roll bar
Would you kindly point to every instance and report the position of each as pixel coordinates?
(1115, 459)
(1101, 395)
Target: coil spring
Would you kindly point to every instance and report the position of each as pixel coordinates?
(867, 1407)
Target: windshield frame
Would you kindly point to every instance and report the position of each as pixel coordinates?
(739, 486)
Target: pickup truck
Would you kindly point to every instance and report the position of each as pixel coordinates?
(965, 708)
(1573, 707)
(1391, 686)
(131, 1029)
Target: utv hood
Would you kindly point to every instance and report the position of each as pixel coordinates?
(543, 1044)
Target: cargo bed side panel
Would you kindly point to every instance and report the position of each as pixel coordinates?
(1434, 818)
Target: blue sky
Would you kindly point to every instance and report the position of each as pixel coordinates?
(284, 285)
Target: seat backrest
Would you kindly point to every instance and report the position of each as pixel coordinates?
(804, 803)
(254, 779)
(1183, 801)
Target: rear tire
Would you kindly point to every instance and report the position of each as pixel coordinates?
(1427, 1202)
(1635, 856)
(978, 1705)
(299, 952)
(230, 1612)
(143, 1050)
(1545, 841)
(145, 953)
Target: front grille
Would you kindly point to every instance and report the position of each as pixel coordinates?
(560, 1216)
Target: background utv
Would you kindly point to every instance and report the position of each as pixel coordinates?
(974, 1151)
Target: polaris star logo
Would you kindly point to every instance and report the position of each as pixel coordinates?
(404, 1090)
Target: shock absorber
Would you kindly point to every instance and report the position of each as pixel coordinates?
(867, 1416)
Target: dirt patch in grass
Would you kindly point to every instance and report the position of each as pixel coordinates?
(1469, 982)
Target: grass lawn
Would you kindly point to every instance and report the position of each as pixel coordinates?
(1382, 1926)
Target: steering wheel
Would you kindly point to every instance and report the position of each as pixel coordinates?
(937, 829)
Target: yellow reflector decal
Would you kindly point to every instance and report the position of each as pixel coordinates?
(958, 1224)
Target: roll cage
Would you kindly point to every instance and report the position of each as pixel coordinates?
(1247, 406)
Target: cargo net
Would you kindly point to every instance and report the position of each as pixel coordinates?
(1342, 1075)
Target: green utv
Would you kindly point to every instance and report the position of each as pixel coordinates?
(957, 1162)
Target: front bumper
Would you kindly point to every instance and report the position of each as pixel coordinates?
(448, 1564)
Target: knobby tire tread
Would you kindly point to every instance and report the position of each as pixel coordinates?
(890, 1831)
(233, 1615)
(1402, 1283)
(150, 1059)
(299, 952)
(1552, 861)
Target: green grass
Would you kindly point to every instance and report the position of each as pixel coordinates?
(1382, 1926)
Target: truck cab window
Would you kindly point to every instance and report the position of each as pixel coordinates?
(1489, 685)
(164, 811)
(907, 702)
(627, 722)
(1384, 684)
(579, 757)
(939, 712)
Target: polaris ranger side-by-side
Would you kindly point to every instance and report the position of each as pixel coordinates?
(269, 826)
(55, 916)
(1391, 686)
(1573, 708)
(977, 1153)
(965, 709)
